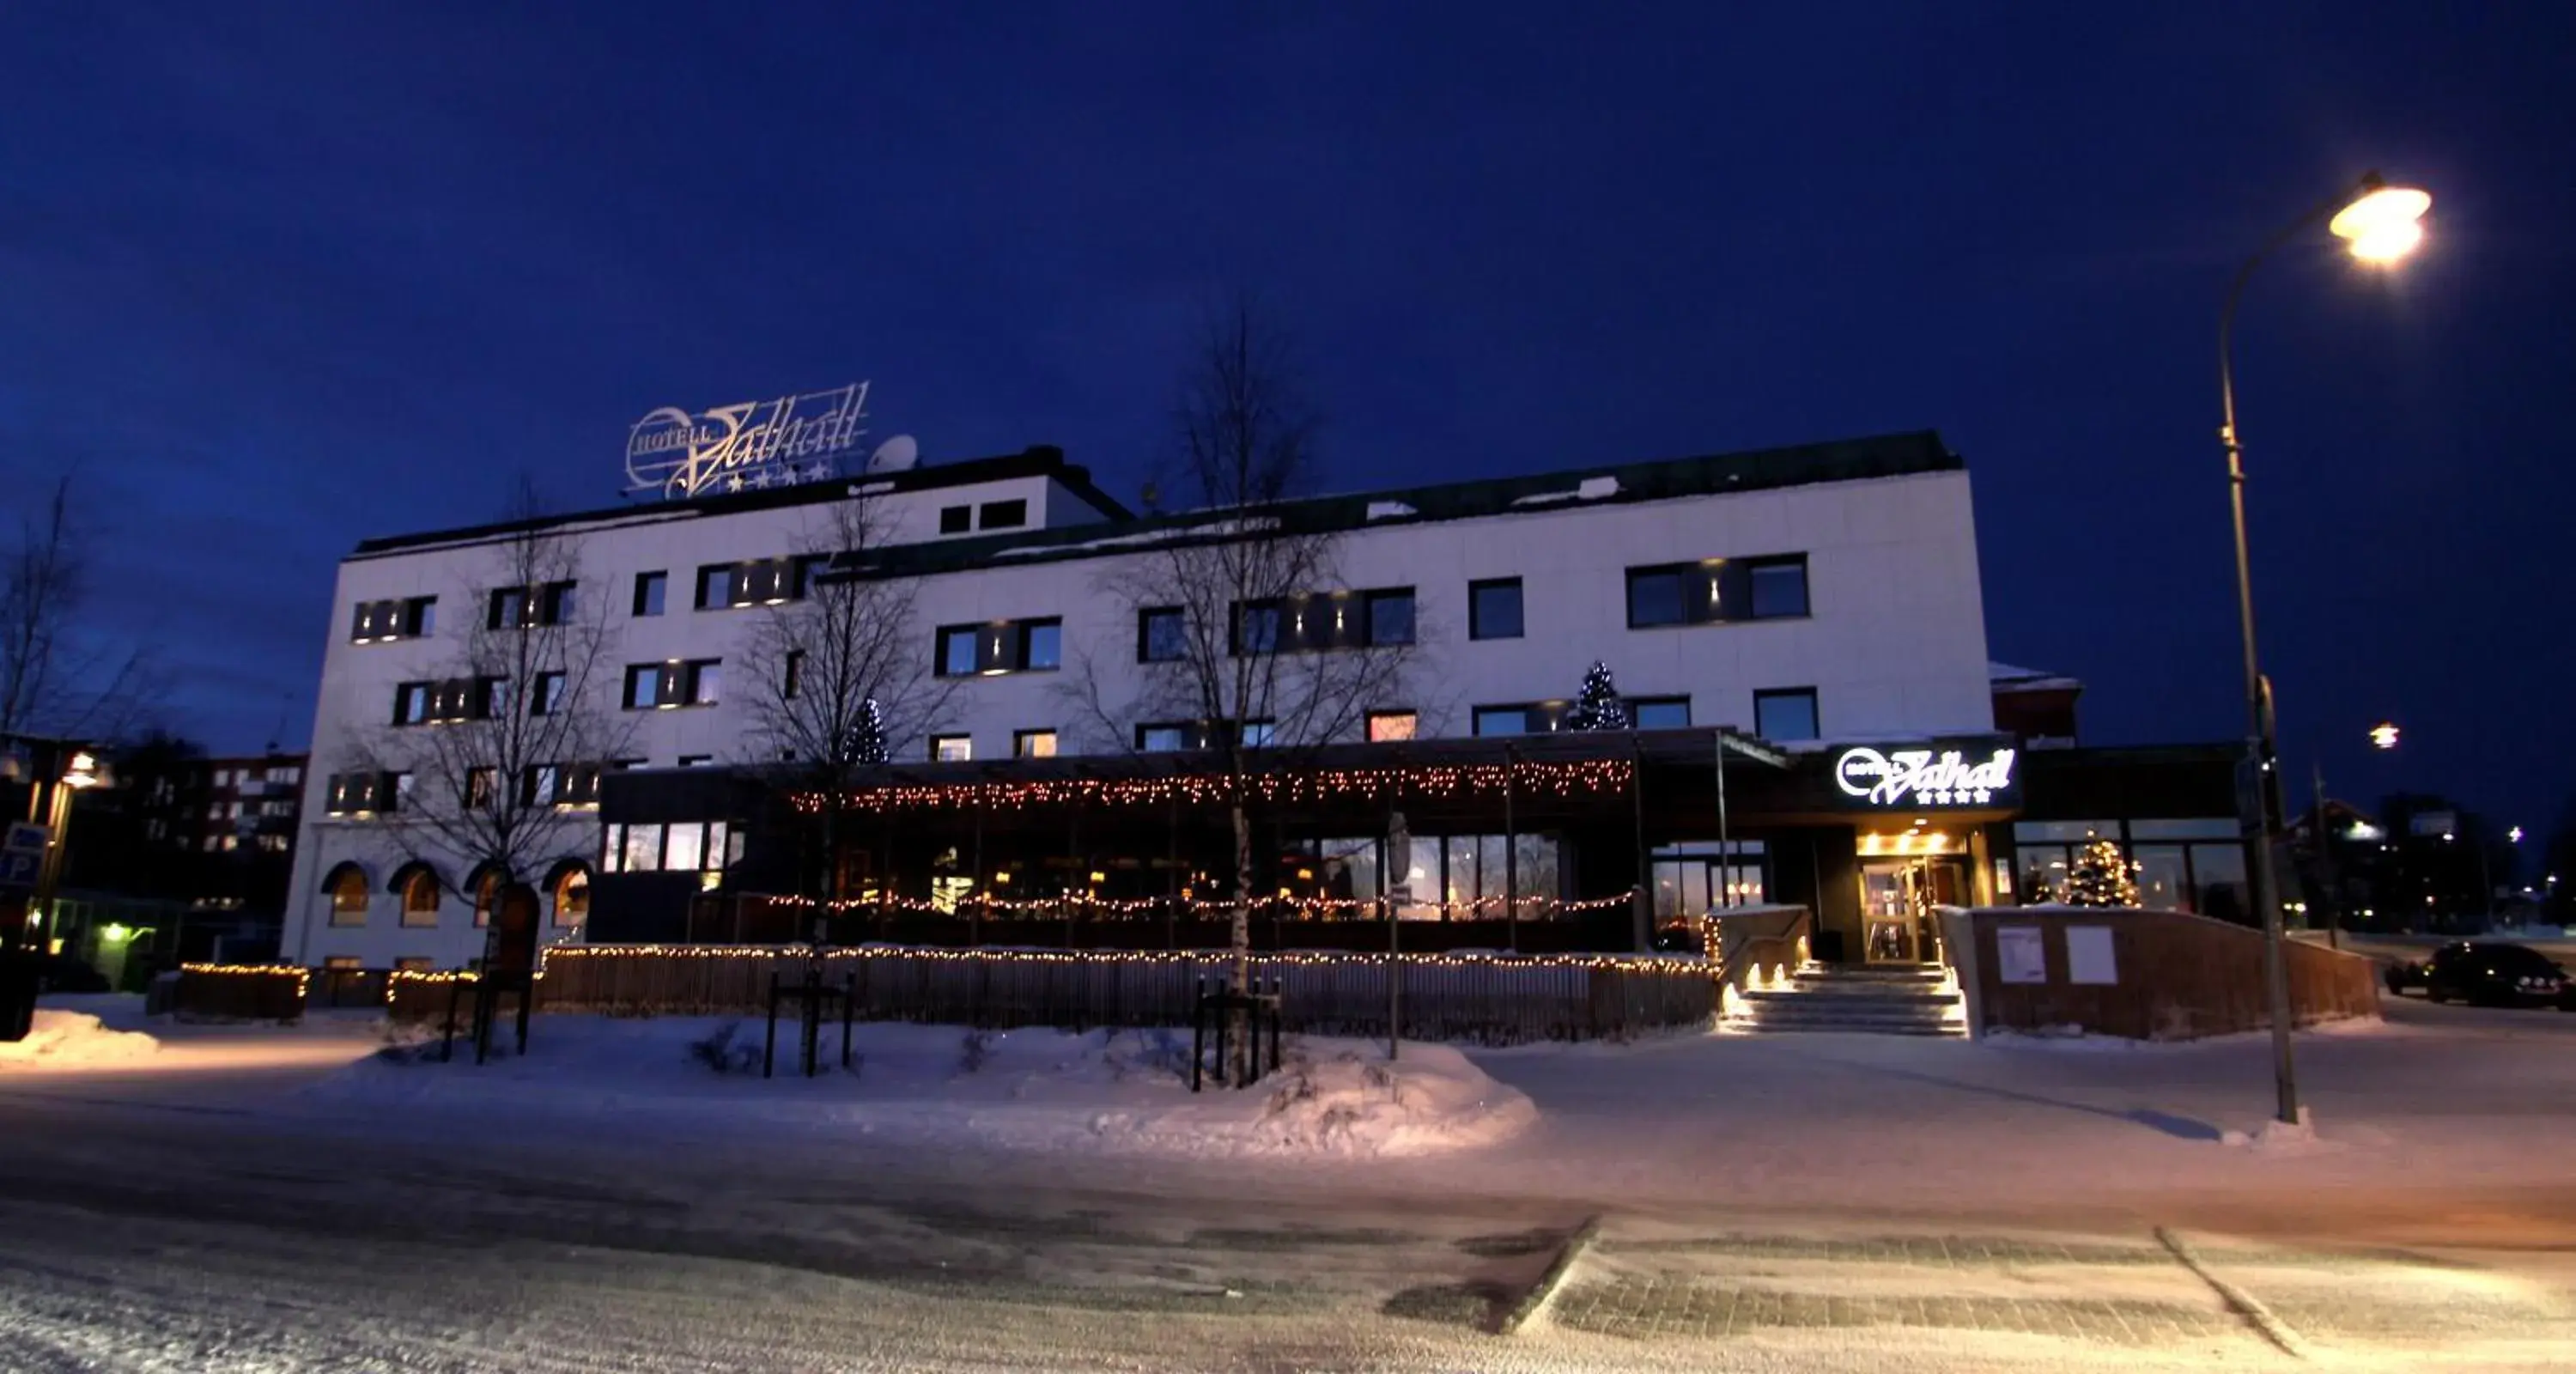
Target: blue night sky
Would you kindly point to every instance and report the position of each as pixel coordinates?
(273, 279)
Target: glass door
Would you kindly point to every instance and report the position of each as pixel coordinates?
(1896, 901)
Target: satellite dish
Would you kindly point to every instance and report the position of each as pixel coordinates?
(898, 454)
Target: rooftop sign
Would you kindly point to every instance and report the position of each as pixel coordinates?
(751, 444)
(1910, 776)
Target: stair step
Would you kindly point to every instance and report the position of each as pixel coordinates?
(1940, 1030)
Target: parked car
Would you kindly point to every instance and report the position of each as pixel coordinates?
(2486, 973)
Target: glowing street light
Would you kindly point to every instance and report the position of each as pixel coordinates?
(2514, 835)
(2383, 736)
(2382, 223)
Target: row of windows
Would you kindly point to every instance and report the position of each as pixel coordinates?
(1779, 713)
(366, 793)
(688, 847)
(420, 898)
(720, 586)
(994, 515)
(1712, 591)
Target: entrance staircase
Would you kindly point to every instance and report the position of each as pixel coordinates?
(1873, 999)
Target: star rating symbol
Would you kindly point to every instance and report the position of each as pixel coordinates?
(733, 483)
(760, 478)
(821, 471)
(1983, 795)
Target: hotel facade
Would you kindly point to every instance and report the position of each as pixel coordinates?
(1796, 635)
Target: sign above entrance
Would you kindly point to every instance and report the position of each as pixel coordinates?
(751, 444)
(1918, 776)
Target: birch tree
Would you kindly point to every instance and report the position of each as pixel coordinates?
(1255, 640)
(832, 675)
(499, 758)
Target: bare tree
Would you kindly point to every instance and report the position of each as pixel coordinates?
(52, 681)
(1269, 652)
(499, 759)
(832, 675)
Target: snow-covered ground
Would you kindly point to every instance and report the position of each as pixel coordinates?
(64, 1039)
(263, 1198)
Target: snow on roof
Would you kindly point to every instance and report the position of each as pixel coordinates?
(1212, 529)
(1390, 510)
(1589, 489)
(2007, 678)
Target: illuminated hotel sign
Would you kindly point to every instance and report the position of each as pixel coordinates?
(1920, 776)
(750, 445)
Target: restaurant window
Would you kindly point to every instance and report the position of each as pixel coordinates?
(1695, 878)
(349, 896)
(420, 898)
(572, 896)
(1386, 727)
(1786, 713)
(706, 846)
(1494, 609)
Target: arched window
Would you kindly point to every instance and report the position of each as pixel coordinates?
(420, 898)
(348, 888)
(572, 894)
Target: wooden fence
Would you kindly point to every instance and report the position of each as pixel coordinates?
(239, 992)
(2169, 975)
(1546, 927)
(1488, 1000)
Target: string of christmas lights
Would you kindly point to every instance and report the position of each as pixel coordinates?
(1629, 963)
(1124, 906)
(302, 976)
(1439, 781)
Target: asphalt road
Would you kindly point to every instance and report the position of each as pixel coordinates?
(162, 1226)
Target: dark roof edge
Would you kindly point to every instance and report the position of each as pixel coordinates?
(1038, 460)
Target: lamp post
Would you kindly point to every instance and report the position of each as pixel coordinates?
(2382, 223)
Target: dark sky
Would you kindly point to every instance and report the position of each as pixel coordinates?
(272, 280)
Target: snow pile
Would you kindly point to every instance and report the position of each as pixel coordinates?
(946, 1087)
(2278, 1137)
(75, 1039)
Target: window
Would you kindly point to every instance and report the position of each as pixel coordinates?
(1778, 586)
(956, 519)
(1165, 739)
(716, 586)
(1718, 591)
(1009, 646)
(289, 773)
(1388, 726)
(1161, 635)
(210, 843)
(373, 622)
(481, 785)
(411, 707)
(650, 588)
(572, 897)
(1494, 609)
(1256, 628)
(520, 608)
(665, 686)
(791, 674)
(349, 896)
(1786, 713)
(223, 777)
(1033, 744)
(547, 698)
(414, 963)
(1260, 734)
(952, 748)
(696, 760)
(1656, 596)
(429, 703)
(420, 898)
(1502, 720)
(1390, 617)
(705, 846)
(1659, 713)
(359, 794)
(1003, 515)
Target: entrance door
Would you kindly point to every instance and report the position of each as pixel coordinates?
(1896, 901)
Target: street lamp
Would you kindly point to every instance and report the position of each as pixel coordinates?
(2383, 736)
(2382, 223)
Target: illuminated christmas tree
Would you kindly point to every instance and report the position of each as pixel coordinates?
(2100, 877)
(868, 741)
(1598, 706)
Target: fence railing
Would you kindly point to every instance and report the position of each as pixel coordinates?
(1483, 999)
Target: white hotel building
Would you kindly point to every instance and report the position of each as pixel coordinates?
(1825, 592)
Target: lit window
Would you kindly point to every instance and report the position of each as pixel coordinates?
(1033, 744)
(1388, 726)
(420, 899)
(952, 748)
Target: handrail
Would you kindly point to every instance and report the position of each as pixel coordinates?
(1740, 952)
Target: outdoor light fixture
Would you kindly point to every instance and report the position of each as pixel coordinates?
(2384, 735)
(83, 770)
(2513, 836)
(2385, 223)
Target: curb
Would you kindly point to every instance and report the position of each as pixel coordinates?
(1542, 1292)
